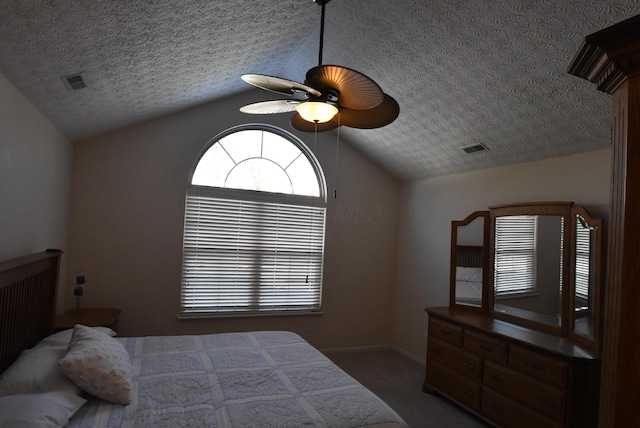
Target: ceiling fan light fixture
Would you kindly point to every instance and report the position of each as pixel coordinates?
(316, 111)
(328, 90)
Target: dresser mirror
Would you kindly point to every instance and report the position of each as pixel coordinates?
(469, 262)
(530, 264)
(537, 265)
(586, 279)
(527, 269)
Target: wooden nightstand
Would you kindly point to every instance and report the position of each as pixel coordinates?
(92, 317)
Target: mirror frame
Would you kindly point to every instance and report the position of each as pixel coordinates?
(561, 209)
(455, 224)
(594, 343)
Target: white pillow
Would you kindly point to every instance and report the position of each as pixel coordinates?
(37, 370)
(469, 274)
(63, 337)
(48, 409)
(99, 364)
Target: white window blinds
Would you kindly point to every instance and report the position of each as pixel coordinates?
(583, 249)
(245, 256)
(515, 255)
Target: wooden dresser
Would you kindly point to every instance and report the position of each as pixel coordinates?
(509, 375)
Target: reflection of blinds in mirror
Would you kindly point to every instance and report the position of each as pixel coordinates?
(515, 255)
(583, 246)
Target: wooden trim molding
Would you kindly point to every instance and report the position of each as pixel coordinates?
(610, 59)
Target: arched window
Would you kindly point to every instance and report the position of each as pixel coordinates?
(254, 226)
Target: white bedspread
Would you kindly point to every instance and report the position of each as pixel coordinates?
(257, 379)
(468, 291)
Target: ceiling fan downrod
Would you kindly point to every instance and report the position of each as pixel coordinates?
(322, 3)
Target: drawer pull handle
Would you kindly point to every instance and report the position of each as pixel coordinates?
(547, 402)
(482, 346)
(495, 408)
(470, 366)
(496, 378)
(536, 366)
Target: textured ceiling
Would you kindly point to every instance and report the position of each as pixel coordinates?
(463, 71)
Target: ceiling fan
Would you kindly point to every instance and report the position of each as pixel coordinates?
(331, 96)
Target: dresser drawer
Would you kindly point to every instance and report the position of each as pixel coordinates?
(537, 396)
(508, 414)
(445, 331)
(542, 367)
(485, 346)
(455, 358)
(455, 386)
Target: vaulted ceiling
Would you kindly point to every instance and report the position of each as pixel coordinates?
(465, 72)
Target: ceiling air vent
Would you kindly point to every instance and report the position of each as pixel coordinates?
(475, 148)
(73, 82)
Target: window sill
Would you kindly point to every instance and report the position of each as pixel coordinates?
(209, 315)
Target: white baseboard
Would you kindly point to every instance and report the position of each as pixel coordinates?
(410, 356)
(356, 349)
(375, 348)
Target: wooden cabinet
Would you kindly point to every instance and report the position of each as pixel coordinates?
(460, 361)
(549, 369)
(457, 387)
(509, 375)
(504, 412)
(544, 399)
(489, 348)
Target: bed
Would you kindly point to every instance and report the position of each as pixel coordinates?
(469, 274)
(89, 377)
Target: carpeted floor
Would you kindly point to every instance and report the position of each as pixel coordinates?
(398, 381)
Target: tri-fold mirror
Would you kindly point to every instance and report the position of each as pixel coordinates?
(470, 262)
(533, 264)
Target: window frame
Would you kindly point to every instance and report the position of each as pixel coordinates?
(259, 197)
(315, 164)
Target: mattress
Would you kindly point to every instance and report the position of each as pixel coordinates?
(252, 379)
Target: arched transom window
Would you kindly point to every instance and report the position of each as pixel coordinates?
(254, 226)
(257, 159)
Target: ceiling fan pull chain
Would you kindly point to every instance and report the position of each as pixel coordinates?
(315, 136)
(335, 180)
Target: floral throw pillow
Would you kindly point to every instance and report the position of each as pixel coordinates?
(99, 364)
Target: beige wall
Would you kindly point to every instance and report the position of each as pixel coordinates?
(428, 206)
(127, 204)
(126, 219)
(35, 171)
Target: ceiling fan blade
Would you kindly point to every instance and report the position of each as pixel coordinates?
(270, 107)
(278, 84)
(297, 122)
(355, 90)
(381, 115)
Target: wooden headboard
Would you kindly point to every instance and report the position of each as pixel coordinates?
(469, 256)
(28, 287)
